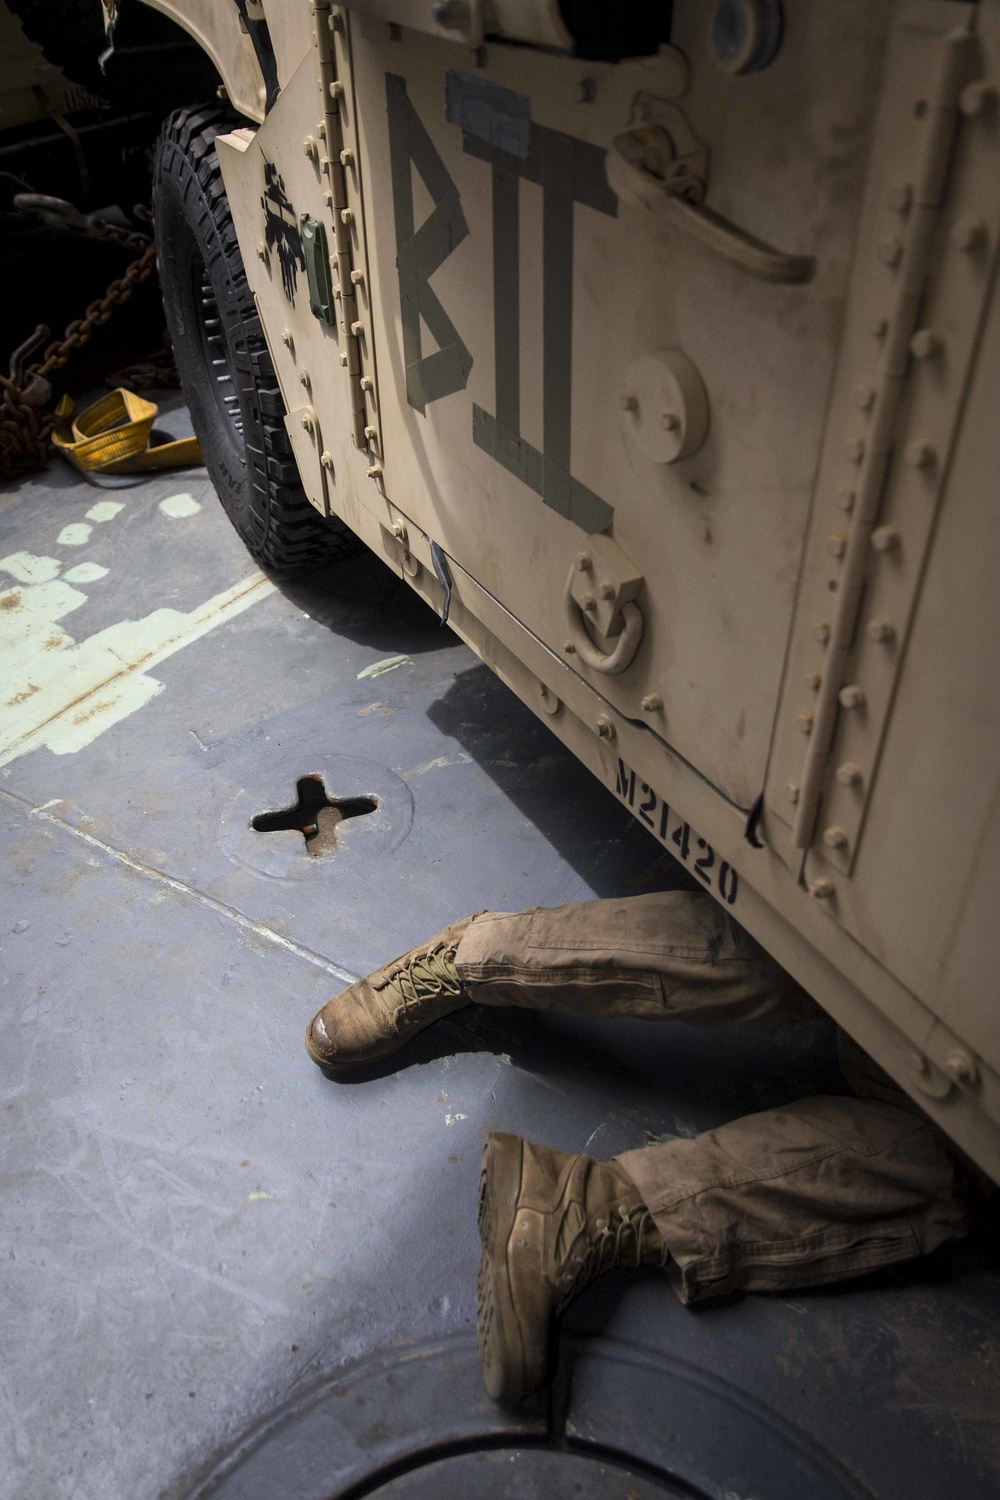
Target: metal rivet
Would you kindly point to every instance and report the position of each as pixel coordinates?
(821, 889)
(864, 396)
(821, 631)
(584, 562)
(925, 344)
(326, 459)
(813, 680)
(849, 774)
(569, 648)
(900, 197)
(919, 455)
(975, 97)
(961, 1065)
(605, 728)
(261, 252)
(968, 234)
(854, 449)
(588, 602)
(885, 538)
(806, 720)
(846, 499)
(792, 791)
(651, 703)
(606, 591)
(837, 546)
(834, 838)
(879, 630)
(851, 696)
(890, 252)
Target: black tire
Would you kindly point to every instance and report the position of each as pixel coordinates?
(238, 416)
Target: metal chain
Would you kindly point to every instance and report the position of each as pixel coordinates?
(25, 427)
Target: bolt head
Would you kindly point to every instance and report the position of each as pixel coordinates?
(792, 791)
(837, 546)
(605, 728)
(968, 234)
(307, 422)
(879, 630)
(834, 838)
(584, 562)
(813, 680)
(919, 455)
(261, 252)
(606, 591)
(848, 774)
(569, 648)
(336, 89)
(975, 97)
(326, 459)
(304, 377)
(925, 344)
(961, 1066)
(806, 720)
(851, 696)
(286, 337)
(885, 538)
(651, 703)
(357, 277)
(822, 889)
(821, 632)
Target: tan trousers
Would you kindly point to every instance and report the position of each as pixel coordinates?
(812, 1192)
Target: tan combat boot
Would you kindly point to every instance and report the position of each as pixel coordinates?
(376, 1016)
(549, 1224)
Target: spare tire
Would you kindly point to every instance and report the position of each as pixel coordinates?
(226, 371)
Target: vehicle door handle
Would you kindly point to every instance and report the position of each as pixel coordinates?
(631, 178)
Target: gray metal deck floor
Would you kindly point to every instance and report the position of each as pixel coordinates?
(200, 1230)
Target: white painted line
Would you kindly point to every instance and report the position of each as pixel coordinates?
(231, 913)
(63, 694)
(85, 573)
(387, 664)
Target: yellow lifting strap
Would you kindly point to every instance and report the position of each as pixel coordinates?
(112, 436)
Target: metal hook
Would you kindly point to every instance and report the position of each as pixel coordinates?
(34, 341)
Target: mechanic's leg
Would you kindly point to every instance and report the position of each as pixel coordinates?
(672, 954)
(810, 1193)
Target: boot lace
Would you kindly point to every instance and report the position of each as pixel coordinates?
(618, 1242)
(428, 976)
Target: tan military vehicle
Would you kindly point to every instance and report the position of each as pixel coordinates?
(659, 347)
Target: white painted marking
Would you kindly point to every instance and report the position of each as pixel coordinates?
(27, 568)
(453, 1119)
(439, 763)
(387, 664)
(104, 510)
(85, 573)
(65, 694)
(75, 535)
(258, 1196)
(179, 506)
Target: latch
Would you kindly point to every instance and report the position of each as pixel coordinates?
(605, 623)
(317, 259)
(660, 165)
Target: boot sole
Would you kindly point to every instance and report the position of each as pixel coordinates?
(504, 1359)
(374, 1053)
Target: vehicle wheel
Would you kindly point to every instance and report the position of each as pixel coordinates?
(226, 372)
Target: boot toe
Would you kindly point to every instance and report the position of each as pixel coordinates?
(318, 1043)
